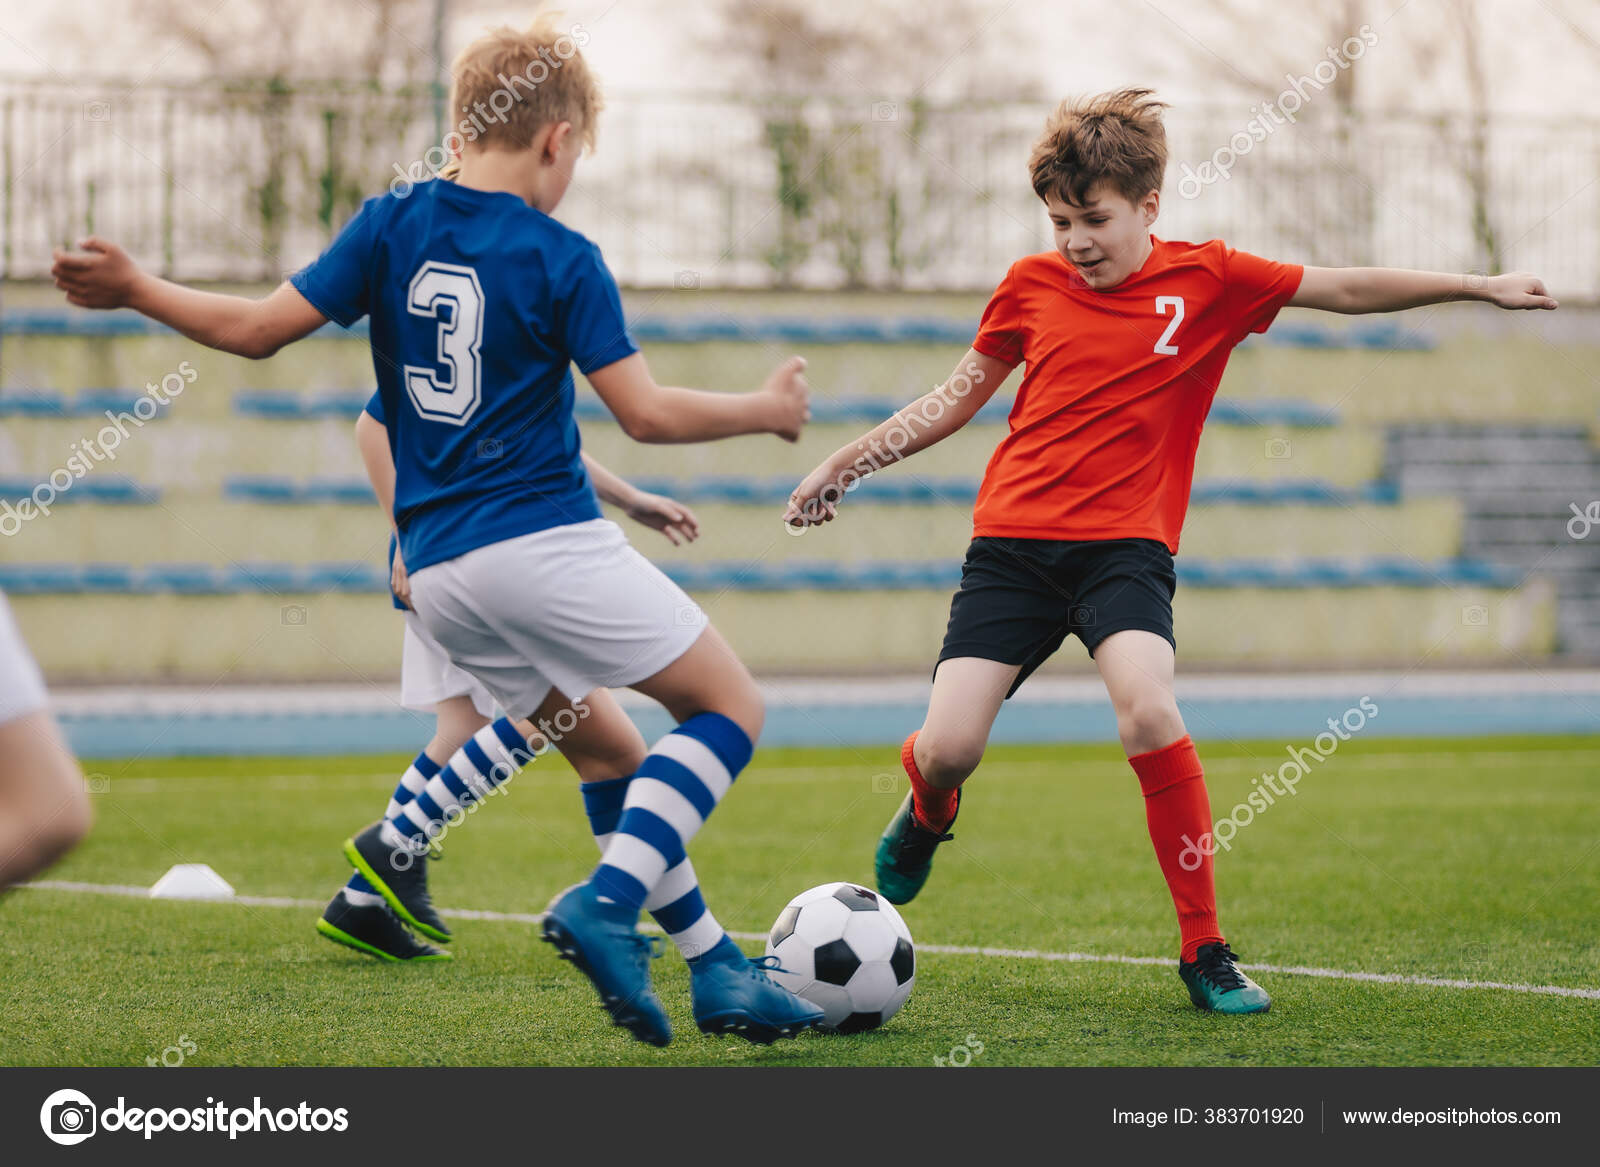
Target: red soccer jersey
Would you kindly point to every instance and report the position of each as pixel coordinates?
(1118, 384)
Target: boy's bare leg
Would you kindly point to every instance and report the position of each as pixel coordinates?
(1137, 667)
(44, 809)
(967, 694)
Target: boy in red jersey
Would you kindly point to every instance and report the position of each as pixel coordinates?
(1125, 337)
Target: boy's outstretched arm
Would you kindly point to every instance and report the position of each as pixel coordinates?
(1355, 290)
(660, 414)
(656, 511)
(929, 419)
(102, 275)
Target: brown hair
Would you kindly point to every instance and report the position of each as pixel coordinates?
(1112, 137)
(507, 85)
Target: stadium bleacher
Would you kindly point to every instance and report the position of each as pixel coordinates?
(1315, 536)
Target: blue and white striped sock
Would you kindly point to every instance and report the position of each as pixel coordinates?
(676, 903)
(669, 799)
(489, 758)
(358, 891)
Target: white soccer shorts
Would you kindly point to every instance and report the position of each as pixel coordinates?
(21, 684)
(574, 608)
(427, 677)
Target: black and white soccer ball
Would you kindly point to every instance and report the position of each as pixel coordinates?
(845, 949)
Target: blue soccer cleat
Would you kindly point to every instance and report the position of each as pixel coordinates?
(732, 993)
(603, 941)
(1216, 984)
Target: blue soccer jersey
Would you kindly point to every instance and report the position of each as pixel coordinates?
(479, 305)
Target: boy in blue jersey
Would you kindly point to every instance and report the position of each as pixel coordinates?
(479, 302)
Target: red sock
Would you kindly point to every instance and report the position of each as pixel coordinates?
(1178, 812)
(936, 808)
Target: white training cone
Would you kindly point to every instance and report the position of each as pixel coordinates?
(192, 881)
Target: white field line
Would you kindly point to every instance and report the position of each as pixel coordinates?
(122, 889)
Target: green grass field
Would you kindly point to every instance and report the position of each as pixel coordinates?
(1473, 860)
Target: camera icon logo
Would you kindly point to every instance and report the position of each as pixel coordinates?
(68, 1117)
(292, 616)
(97, 111)
(490, 448)
(885, 784)
(1474, 616)
(686, 281)
(687, 616)
(885, 111)
(1277, 449)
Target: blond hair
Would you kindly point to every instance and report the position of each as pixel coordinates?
(1115, 138)
(507, 85)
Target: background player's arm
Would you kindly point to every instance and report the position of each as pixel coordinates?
(926, 421)
(372, 440)
(102, 275)
(1354, 290)
(660, 414)
(656, 511)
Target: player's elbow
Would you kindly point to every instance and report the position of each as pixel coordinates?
(644, 423)
(254, 345)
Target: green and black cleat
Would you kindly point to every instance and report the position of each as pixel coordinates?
(400, 876)
(1216, 984)
(374, 930)
(905, 853)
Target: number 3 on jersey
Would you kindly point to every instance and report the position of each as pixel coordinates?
(452, 398)
(1165, 304)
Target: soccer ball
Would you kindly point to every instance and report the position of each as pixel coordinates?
(847, 951)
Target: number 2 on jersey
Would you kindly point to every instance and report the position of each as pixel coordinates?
(1164, 304)
(453, 398)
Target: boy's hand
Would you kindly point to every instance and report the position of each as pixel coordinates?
(399, 582)
(99, 275)
(1518, 289)
(674, 520)
(816, 499)
(791, 398)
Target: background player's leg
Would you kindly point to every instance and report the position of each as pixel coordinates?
(456, 719)
(44, 809)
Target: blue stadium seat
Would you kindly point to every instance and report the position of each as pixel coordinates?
(110, 488)
(33, 403)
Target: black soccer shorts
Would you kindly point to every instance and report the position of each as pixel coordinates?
(1020, 598)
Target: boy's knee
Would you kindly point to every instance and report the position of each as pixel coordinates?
(1149, 724)
(948, 760)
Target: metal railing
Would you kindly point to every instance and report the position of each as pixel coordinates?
(247, 182)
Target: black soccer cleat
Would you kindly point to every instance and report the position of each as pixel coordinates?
(400, 875)
(905, 853)
(374, 930)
